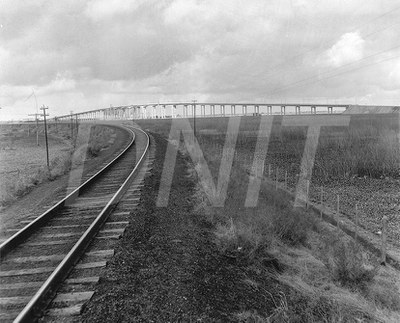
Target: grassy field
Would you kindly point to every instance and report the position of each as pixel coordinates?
(327, 277)
(359, 163)
(23, 162)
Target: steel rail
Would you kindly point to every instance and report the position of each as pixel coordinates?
(29, 229)
(41, 299)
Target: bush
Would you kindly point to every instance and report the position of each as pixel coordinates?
(99, 138)
(94, 150)
(291, 227)
(349, 266)
(239, 240)
(384, 294)
(362, 151)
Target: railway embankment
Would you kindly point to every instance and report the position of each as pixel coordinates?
(39, 195)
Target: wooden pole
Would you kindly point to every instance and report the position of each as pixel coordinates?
(45, 134)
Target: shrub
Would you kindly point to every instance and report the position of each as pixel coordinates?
(363, 151)
(93, 150)
(349, 266)
(291, 227)
(99, 137)
(384, 294)
(239, 240)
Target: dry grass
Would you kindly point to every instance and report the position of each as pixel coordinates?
(324, 276)
(362, 152)
(23, 166)
(327, 278)
(99, 137)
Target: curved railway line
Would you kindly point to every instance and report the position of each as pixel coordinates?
(38, 259)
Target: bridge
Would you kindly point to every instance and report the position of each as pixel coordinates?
(199, 109)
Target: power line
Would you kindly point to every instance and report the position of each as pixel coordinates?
(379, 17)
(345, 65)
(361, 26)
(380, 30)
(331, 76)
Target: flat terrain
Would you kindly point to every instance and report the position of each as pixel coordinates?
(377, 195)
(23, 155)
(190, 262)
(43, 195)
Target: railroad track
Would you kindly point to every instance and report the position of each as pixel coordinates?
(37, 260)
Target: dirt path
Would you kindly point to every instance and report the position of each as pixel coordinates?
(166, 267)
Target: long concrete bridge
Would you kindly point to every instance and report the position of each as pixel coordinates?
(199, 109)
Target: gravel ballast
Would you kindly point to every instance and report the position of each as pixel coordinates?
(166, 267)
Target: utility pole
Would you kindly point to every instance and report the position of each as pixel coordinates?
(45, 133)
(37, 125)
(194, 117)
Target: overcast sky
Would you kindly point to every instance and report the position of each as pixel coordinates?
(77, 55)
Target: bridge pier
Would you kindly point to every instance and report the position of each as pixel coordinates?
(233, 109)
(163, 111)
(330, 110)
(212, 110)
(283, 110)
(313, 109)
(298, 109)
(222, 108)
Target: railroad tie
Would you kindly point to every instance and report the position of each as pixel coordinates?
(72, 299)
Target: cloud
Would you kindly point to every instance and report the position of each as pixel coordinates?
(394, 75)
(103, 9)
(91, 54)
(349, 48)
